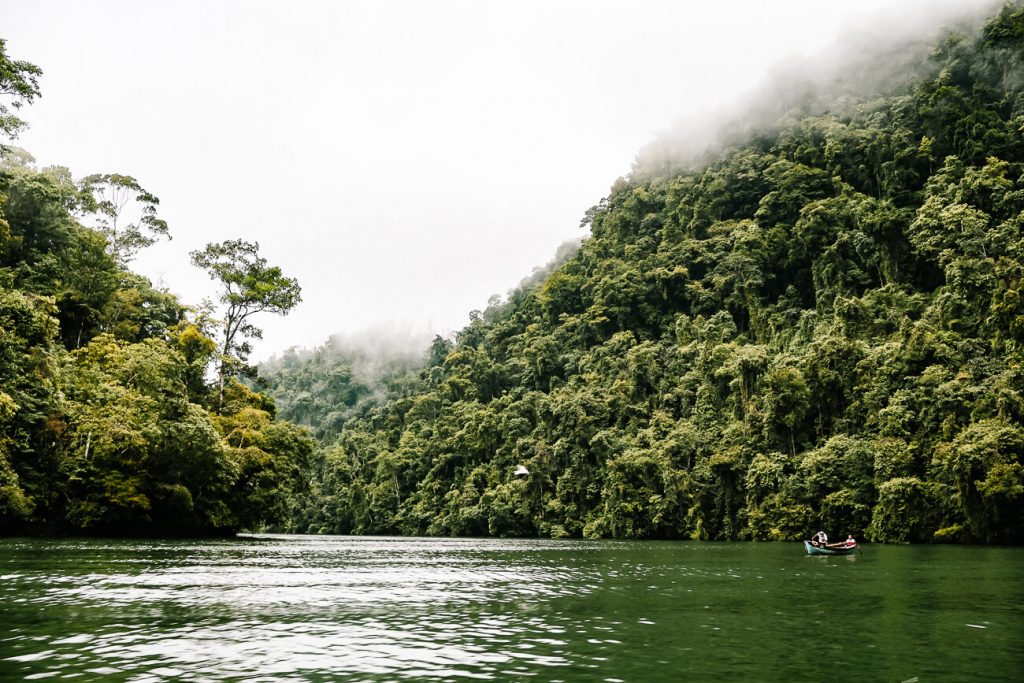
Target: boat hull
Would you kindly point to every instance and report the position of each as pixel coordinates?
(816, 550)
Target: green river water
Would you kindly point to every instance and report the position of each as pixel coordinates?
(300, 608)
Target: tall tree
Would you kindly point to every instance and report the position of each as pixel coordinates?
(250, 286)
(114, 200)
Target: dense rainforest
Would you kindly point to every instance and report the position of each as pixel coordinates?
(816, 326)
(820, 326)
(111, 421)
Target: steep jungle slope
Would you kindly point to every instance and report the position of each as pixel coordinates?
(821, 328)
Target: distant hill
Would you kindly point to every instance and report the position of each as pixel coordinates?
(321, 388)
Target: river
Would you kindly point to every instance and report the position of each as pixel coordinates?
(304, 608)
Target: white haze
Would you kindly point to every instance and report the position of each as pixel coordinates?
(404, 160)
(372, 353)
(869, 59)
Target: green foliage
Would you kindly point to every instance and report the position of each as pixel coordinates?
(983, 463)
(138, 456)
(325, 387)
(269, 458)
(908, 510)
(28, 388)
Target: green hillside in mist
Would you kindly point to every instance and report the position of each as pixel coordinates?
(820, 327)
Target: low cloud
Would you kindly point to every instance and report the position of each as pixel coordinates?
(870, 60)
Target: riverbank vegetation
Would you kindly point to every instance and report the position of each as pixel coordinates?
(820, 327)
(108, 423)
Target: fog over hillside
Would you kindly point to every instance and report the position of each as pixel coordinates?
(873, 57)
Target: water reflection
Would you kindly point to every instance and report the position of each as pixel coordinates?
(284, 607)
(320, 608)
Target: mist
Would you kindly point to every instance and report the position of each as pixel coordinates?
(373, 354)
(390, 348)
(874, 57)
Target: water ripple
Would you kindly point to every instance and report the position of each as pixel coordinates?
(281, 607)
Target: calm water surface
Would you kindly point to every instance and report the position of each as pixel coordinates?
(275, 608)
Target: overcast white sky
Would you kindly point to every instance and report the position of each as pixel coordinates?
(403, 160)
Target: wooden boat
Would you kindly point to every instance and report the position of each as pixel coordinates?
(843, 548)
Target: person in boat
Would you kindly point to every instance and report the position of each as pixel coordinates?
(820, 539)
(848, 543)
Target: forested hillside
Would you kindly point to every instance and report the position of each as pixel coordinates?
(108, 423)
(323, 388)
(819, 328)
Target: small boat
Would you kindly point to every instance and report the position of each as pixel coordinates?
(844, 548)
